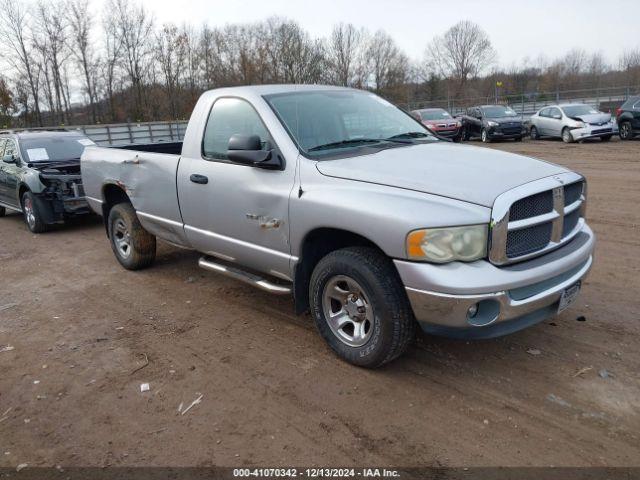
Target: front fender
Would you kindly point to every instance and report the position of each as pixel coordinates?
(384, 215)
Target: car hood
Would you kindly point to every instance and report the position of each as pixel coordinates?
(502, 120)
(594, 117)
(472, 174)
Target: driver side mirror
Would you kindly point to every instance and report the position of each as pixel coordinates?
(9, 158)
(247, 150)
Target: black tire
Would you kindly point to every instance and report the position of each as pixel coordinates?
(533, 133)
(484, 136)
(390, 318)
(465, 135)
(3, 211)
(606, 138)
(625, 131)
(133, 246)
(566, 135)
(32, 214)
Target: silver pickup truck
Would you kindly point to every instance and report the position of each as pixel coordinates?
(346, 202)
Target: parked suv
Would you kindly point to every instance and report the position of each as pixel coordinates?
(572, 122)
(492, 122)
(40, 176)
(440, 122)
(628, 117)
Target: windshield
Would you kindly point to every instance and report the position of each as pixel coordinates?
(498, 112)
(434, 114)
(53, 149)
(573, 110)
(337, 122)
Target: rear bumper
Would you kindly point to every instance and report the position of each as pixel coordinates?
(508, 298)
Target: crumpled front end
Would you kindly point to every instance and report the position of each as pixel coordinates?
(62, 195)
(595, 130)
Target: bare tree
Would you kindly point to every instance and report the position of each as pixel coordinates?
(343, 51)
(112, 51)
(14, 34)
(630, 64)
(170, 52)
(81, 23)
(388, 66)
(52, 42)
(134, 27)
(462, 52)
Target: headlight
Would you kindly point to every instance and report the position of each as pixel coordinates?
(442, 245)
(492, 124)
(580, 125)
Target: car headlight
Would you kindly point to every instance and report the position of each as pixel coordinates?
(580, 125)
(492, 124)
(442, 245)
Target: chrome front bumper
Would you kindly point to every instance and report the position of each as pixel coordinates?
(508, 298)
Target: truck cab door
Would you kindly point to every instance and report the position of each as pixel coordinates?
(237, 212)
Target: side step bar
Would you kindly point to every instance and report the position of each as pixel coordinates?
(252, 279)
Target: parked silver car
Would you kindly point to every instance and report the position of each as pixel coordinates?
(572, 122)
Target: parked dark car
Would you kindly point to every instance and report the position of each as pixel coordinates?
(628, 118)
(492, 122)
(40, 176)
(440, 122)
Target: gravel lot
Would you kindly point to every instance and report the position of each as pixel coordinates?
(83, 330)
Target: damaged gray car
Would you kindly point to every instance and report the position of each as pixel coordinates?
(40, 176)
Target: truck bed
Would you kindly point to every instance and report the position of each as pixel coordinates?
(147, 174)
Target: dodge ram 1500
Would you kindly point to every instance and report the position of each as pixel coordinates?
(341, 199)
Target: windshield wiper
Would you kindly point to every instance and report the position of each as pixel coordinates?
(346, 143)
(407, 135)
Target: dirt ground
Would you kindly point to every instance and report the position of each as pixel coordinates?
(273, 394)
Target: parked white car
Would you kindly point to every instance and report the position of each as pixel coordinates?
(572, 122)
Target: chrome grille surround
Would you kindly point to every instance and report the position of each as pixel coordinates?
(501, 225)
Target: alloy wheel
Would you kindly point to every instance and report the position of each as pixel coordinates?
(347, 310)
(122, 238)
(29, 213)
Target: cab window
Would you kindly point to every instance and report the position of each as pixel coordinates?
(230, 116)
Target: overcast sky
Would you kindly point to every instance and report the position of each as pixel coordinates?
(517, 28)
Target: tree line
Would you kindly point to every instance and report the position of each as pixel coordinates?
(66, 64)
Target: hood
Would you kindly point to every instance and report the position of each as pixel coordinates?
(594, 118)
(472, 174)
(65, 167)
(503, 120)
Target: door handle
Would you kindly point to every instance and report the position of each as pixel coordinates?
(201, 179)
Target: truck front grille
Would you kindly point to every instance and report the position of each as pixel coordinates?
(538, 222)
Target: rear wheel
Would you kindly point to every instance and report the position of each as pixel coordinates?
(32, 214)
(485, 136)
(133, 246)
(533, 133)
(360, 306)
(566, 136)
(626, 132)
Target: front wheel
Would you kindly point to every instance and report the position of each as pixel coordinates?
(3, 211)
(133, 246)
(485, 136)
(626, 132)
(32, 214)
(360, 306)
(533, 133)
(566, 136)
